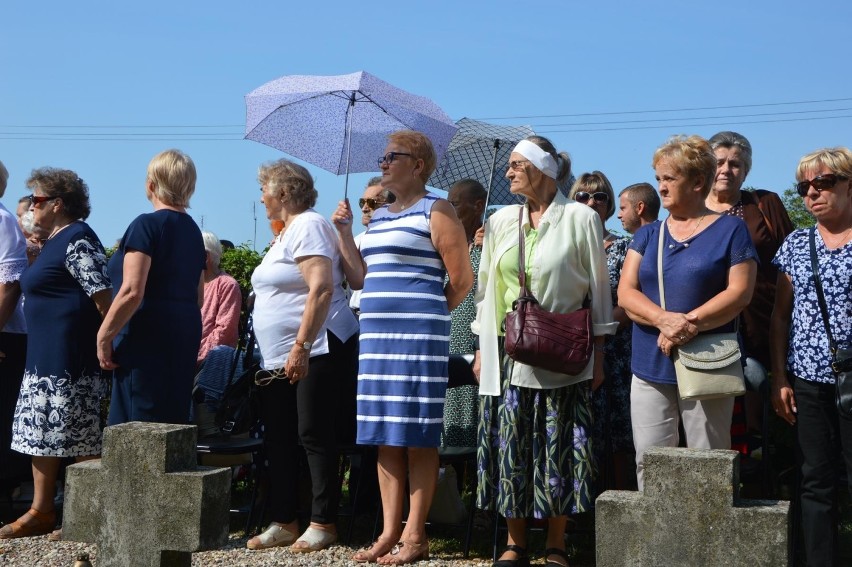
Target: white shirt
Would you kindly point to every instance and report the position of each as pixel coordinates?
(281, 291)
(13, 262)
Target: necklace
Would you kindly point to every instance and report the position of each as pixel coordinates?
(413, 200)
(681, 241)
(838, 242)
(59, 229)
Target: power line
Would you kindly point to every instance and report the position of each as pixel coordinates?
(122, 139)
(241, 126)
(765, 104)
(678, 126)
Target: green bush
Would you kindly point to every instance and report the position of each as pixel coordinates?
(240, 262)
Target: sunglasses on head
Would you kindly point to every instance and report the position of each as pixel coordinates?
(372, 204)
(820, 183)
(583, 197)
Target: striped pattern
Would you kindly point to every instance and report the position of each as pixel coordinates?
(405, 330)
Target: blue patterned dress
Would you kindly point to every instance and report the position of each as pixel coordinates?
(405, 329)
(58, 411)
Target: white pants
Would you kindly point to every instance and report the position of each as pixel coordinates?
(656, 410)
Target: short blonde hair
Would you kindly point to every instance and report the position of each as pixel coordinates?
(838, 160)
(595, 182)
(420, 147)
(4, 178)
(690, 156)
(289, 182)
(173, 174)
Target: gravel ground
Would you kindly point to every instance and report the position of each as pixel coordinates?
(38, 552)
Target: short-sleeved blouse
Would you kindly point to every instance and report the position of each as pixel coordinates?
(693, 274)
(13, 262)
(808, 356)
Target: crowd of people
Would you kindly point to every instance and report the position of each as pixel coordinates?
(355, 332)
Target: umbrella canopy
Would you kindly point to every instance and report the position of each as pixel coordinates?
(480, 151)
(340, 123)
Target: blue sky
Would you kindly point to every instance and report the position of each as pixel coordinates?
(175, 64)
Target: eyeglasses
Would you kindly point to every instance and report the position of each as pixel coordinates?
(36, 199)
(583, 197)
(266, 377)
(372, 204)
(518, 164)
(390, 156)
(820, 183)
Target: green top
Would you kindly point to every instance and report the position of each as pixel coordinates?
(508, 286)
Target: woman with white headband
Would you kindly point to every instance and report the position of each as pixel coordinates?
(534, 454)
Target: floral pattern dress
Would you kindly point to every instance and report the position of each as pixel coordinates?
(58, 409)
(611, 402)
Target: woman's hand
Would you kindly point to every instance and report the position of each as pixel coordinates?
(665, 344)
(477, 365)
(598, 369)
(678, 328)
(341, 218)
(479, 236)
(105, 353)
(784, 400)
(296, 366)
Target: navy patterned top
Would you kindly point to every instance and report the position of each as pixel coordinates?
(808, 355)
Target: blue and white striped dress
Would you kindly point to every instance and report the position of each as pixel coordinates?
(405, 331)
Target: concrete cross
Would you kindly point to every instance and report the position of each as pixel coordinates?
(690, 514)
(146, 503)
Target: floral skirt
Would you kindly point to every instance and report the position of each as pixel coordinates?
(534, 451)
(59, 416)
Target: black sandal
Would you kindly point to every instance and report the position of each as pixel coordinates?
(523, 559)
(554, 551)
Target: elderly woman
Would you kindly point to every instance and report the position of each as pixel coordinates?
(68, 292)
(768, 224)
(410, 247)
(151, 335)
(308, 339)
(13, 338)
(803, 383)
(534, 453)
(709, 269)
(220, 313)
(612, 435)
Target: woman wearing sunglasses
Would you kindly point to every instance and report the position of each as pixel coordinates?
(709, 268)
(613, 438)
(67, 294)
(308, 339)
(768, 224)
(535, 424)
(803, 382)
(410, 247)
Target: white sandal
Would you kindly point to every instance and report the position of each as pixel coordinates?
(316, 539)
(274, 536)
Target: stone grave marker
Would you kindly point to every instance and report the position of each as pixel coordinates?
(146, 502)
(690, 515)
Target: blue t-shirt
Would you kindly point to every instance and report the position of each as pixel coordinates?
(694, 271)
(808, 355)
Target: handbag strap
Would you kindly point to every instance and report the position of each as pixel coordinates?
(522, 268)
(820, 295)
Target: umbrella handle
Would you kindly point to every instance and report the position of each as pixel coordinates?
(349, 117)
(491, 178)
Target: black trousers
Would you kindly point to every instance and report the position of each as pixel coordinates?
(15, 466)
(311, 411)
(824, 446)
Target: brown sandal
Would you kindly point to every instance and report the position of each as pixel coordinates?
(369, 555)
(43, 523)
(406, 552)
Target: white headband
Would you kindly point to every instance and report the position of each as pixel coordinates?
(538, 157)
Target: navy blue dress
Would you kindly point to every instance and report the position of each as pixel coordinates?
(156, 351)
(58, 410)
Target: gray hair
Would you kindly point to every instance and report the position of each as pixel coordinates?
(728, 139)
(213, 247)
(4, 178)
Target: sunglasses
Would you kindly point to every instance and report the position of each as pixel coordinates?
(372, 204)
(266, 377)
(518, 164)
(820, 183)
(390, 156)
(599, 197)
(36, 199)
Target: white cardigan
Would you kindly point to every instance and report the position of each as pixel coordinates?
(568, 264)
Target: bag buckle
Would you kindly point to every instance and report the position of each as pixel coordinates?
(228, 426)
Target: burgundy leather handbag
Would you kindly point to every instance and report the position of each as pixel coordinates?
(559, 342)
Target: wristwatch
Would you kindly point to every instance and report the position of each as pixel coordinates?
(305, 344)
